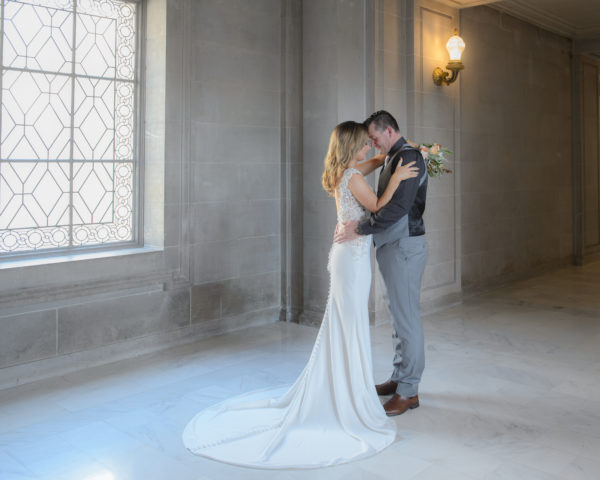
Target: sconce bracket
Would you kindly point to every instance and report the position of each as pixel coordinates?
(446, 78)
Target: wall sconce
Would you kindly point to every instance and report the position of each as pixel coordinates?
(455, 47)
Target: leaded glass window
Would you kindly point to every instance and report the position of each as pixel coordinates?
(69, 88)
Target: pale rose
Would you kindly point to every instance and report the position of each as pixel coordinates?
(435, 149)
(424, 152)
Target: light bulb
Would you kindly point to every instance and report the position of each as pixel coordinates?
(455, 47)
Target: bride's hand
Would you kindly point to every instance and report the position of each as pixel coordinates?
(404, 172)
(379, 159)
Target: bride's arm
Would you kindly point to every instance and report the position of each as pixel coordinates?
(371, 164)
(367, 198)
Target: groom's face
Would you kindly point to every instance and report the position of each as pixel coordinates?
(381, 139)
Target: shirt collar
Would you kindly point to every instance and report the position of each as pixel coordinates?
(397, 146)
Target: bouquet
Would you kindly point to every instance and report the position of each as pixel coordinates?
(433, 154)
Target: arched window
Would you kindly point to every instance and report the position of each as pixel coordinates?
(69, 155)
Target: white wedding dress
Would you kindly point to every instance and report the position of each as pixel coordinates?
(331, 414)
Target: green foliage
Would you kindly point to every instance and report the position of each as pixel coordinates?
(435, 157)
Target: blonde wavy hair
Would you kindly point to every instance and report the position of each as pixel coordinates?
(347, 139)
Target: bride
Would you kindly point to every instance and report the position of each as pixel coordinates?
(331, 414)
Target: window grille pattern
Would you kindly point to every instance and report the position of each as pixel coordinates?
(68, 124)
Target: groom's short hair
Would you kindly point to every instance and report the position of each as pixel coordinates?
(382, 120)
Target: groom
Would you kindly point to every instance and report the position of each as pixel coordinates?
(401, 251)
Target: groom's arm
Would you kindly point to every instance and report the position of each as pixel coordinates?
(401, 201)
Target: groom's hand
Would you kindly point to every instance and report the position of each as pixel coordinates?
(346, 232)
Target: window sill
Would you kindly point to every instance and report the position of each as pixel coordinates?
(73, 257)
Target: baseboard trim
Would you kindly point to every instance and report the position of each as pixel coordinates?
(21, 374)
(501, 280)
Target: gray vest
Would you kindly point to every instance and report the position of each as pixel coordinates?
(399, 229)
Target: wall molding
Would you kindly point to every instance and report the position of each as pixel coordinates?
(545, 19)
(425, 12)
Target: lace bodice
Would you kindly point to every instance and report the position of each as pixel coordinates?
(349, 209)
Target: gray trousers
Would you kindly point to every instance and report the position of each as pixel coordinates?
(402, 263)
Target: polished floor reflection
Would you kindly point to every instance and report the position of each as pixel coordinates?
(511, 391)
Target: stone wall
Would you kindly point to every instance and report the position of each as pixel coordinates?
(235, 152)
(360, 57)
(516, 148)
(217, 81)
(334, 90)
(241, 98)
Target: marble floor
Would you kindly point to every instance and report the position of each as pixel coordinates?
(511, 391)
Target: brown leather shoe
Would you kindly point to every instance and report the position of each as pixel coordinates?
(386, 388)
(397, 405)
